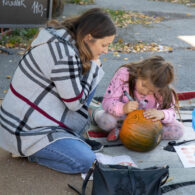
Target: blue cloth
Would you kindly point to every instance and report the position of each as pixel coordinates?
(65, 155)
(90, 97)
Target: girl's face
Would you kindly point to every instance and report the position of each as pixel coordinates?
(98, 46)
(145, 87)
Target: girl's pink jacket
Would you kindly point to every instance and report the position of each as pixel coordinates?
(114, 98)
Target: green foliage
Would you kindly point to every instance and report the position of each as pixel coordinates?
(116, 13)
(19, 37)
(81, 2)
(25, 32)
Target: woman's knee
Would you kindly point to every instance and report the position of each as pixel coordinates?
(66, 155)
(86, 162)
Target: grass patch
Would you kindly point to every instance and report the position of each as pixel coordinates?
(19, 37)
(124, 18)
(80, 2)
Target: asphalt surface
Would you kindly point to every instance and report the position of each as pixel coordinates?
(17, 176)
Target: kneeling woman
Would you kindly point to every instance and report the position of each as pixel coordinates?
(45, 111)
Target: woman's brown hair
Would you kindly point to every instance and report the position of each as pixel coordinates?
(160, 73)
(95, 22)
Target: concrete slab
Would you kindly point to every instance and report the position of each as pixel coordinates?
(18, 176)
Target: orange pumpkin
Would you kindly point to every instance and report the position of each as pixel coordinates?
(140, 134)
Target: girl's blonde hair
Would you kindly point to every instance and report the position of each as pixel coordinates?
(95, 22)
(160, 73)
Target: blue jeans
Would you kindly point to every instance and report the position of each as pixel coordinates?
(65, 155)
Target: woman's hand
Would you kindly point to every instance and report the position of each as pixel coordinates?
(154, 114)
(130, 106)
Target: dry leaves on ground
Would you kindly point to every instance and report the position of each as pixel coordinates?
(122, 47)
(124, 18)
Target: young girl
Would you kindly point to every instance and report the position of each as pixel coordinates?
(147, 82)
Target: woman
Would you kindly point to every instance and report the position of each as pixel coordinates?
(45, 110)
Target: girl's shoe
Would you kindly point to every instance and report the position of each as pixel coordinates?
(113, 135)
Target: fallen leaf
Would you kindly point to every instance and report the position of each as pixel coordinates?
(169, 179)
(9, 45)
(137, 47)
(8, 77)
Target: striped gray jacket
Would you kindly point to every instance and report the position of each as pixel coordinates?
(47, 95)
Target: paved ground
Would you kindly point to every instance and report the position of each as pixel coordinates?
(17, 176)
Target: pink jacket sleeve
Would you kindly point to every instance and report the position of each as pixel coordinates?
(112, 102)
(170, 115)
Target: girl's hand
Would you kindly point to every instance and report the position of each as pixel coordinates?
(154, 114)
(130, 106)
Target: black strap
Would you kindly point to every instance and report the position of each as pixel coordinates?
(112, 145)
(89, 173)
(185, 120)
(87, 178)
(73, 188)
(171, 187)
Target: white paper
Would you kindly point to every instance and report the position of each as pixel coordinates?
(112, 160)
(186, 155)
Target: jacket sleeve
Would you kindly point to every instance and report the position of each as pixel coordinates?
(73, 87)
(112, 102)
(169, 113)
